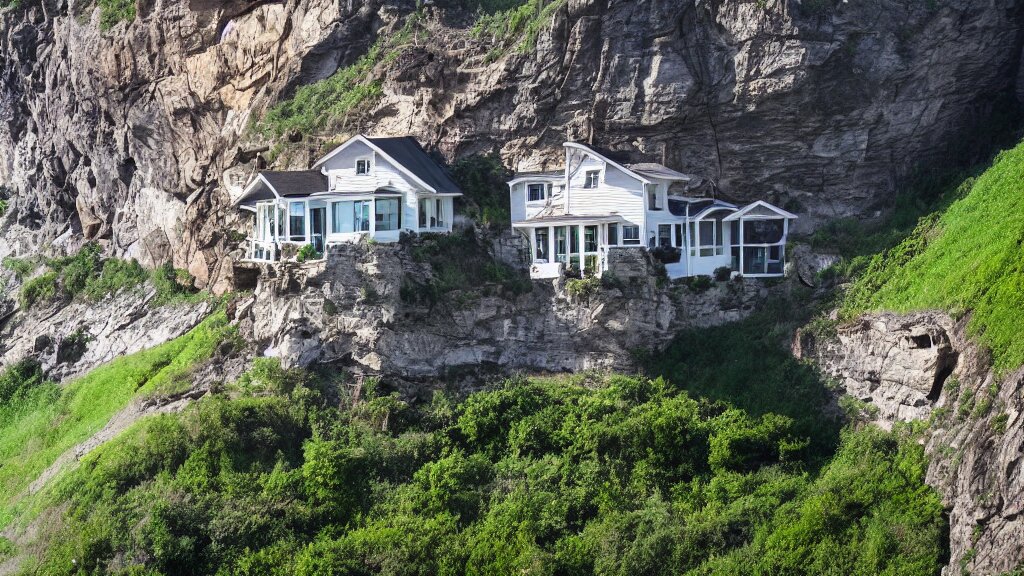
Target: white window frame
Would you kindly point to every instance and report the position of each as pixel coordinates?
(591, 184)
(369, 166)
(630, 241)
(655, 195)
(543, 192)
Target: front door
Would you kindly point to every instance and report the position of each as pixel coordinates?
(317, 227)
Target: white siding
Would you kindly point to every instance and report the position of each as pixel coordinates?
(517, 202)
(617, 192)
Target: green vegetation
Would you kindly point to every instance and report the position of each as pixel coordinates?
(591, 475)
(517, 26)
(3, 206)
(113, 12)
(307, 252)
(482, 179)
(583, 288)
(474, 268)
(965, 259)
(329, 103)
(39, 420)
(87, 274)
(21, 267)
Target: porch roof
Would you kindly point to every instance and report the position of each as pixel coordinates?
(567, 220)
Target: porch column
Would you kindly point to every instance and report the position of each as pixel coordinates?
(533, 244)
(373, 217)
(275, 237)
(579, 232)
(309, 221)
(742, 250)
(551, 244)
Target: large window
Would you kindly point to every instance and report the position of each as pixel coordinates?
(631, 235)
(710, 239)
(297, 221)
(537, 192)
(361, 215)
(432, 213)
(613, 234)
(541, 239)
(592, 178)
(664, 234)
(590, 238)
(762, 231)
(561, 244)
(387, 214)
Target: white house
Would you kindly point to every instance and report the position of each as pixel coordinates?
(573, 218)
(367, 187)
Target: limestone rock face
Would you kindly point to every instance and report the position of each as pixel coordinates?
(71, 339)
(357, 309)
(923, 367)
(137, 135)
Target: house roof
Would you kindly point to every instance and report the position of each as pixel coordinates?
(539, 174)
(658, 172)
(409, 157)
(761, 209)
(678, 206)
(567, 219)
(296, 182)
(407, 151)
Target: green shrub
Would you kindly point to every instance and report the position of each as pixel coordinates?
(485, 195)
(113, 12)
(18, 379)
(21, 267)
(307, 252)
(723, 274)
(583, 288)
(171, 284)
(42, 288)
(700, 283)
(115, 275)
(517, 26)
(3, 206)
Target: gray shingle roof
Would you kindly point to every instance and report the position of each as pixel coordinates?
(653, 170)
(407, 151)
(296, 182)
(539, 174)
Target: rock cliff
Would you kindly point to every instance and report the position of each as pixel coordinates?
(136, 134)
(923, 366)
(358, 309)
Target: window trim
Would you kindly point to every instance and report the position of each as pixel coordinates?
(630, 241)
(369, 165)
(586, 179)
(543, 192)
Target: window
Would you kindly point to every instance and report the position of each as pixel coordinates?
(592, 179)
(338, 218)
(297, 221)
(590, 238)
(762, 231)
(711, 238)
(653, 200)
(664, 235)
(386, 214)
(363, 166)
(631, 235)
(541, 239)
(574, 240)
(361, 215)
(537, 192)
(680, 239)
(613, 234)
(432, 213)
(560, 243)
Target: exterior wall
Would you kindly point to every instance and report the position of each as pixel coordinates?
(341, 173)
(616, 192)
(522, 208)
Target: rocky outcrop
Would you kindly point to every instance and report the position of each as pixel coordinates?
(69, 339)
(136, 135)
(898, 364)
(924, 367)
(357, 309)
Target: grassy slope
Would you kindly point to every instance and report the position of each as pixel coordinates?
(968, 259)
(37, 428)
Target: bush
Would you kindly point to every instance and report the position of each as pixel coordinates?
(171, 284)
(583, 288)
(723, 273)
(18, 379)
(21, 267)
(116, 275)
(42, 288)
(666, 254)
(307, 252)
(485, 194)
(699, 284)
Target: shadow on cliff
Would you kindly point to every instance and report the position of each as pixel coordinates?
(747, 364)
